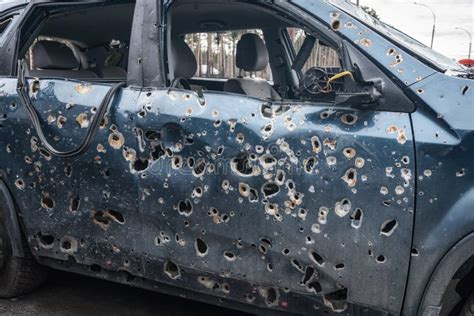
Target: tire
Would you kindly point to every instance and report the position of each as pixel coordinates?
(468, 307)
(18, 276)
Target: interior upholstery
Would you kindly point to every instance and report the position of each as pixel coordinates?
(54, 59)
(182, 60)
(251, 55)
(54, 55)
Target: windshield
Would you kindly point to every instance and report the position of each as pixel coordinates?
(399, 37)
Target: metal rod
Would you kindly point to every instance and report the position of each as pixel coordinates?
(434, 20)
(470, 39)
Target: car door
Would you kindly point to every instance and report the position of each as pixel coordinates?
(72, 208)
(258, 200)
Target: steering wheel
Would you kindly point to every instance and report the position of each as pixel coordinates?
(314, 81)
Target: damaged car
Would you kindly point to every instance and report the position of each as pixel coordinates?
(322, 163)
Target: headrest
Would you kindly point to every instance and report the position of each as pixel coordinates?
(252, 54)
(182, 60)
(53, 55)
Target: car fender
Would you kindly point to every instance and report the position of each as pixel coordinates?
(451, 262)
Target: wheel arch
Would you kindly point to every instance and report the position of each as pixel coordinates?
(12, 223)
(459, 254)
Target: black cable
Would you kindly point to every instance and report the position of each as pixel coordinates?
(25, 100)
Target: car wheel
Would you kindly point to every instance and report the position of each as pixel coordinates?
(468, 307)
(17, 275)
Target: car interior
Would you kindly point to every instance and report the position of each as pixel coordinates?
(238, 47)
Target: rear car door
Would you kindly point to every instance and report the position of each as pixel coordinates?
(72, 208)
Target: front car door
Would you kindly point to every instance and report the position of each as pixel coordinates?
(270, 203)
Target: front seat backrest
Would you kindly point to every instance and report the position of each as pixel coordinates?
(183, 63)
(251, 55)
(54, 59)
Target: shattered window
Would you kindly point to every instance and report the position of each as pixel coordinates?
(322, 56)
(215, 54)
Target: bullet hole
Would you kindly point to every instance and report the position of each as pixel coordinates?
(74, 204)
(359, 162)
(45, 154)
(201, 247)
(152, 135)
(185, 207)
(3, 117)
(308, 275)
(267, 130)
(45, 241)
(415, 252)
(47, 203)
(115, 216)
(316, 258)
(401, 137)
(405, 160)
(199, 167)
(271, 209)
(390, 51)
(61, 121)
(177, 162)
(280, 177)
(270, 189)
(253, 195)
(316, 228)
(242, 166)
(388, 227)
(270, 267)
(129, 154)
(83, 88)
(309, 240)
(331, 144)
(419, 91)
(225, 288)
(316, 143)
(295, 263)
(337, 300)
(309, 164)
(339, 266)
(383, 190)
(350, 177)
(20, 184)
(461, 173)
(380, 259)
(249, 298)
(172, 270)
(240, 138)
(102, 219)
(225, 185)
(116, 140)
(366, 42)
(35, 86)
(267, 161)
(349, 119)
(464, 90)
(343, 207)
(229, 256)
(105, 173)
(335, 25)
(244, 189)
(68, 245)
(270, 295)
(399, 190)
(331, 160)
(314, 287)
(140, 164)
(356, 218)
(387, 203)
(398, 59)
(349, 153)
(83, 120)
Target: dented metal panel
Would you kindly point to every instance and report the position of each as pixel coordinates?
(229, 196)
